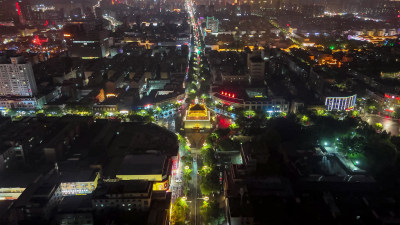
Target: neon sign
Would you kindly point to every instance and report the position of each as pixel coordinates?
(224, 93)
(18, 9)
(392, 97)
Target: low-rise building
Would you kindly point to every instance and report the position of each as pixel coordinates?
(39, 199)
(80, 182)
(126, 195)
(197, 117)
(245, 99)
(147, 167)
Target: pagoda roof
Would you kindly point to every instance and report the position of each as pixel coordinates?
(197, 107)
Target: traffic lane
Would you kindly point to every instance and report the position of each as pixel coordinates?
(193, 194)
(389, 124)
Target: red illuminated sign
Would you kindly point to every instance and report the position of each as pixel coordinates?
(227, 94)
(19, 11)
(38, 41)
(392, 97)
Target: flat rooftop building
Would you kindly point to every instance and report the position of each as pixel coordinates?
(149, 167)
(16, 78)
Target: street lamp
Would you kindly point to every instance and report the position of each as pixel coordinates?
(186, 167)
(206, 198)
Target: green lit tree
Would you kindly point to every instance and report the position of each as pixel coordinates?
(187, 160)
(396, 112)
(211, 213)
(178, 213)
(210, 183)
(378, 126)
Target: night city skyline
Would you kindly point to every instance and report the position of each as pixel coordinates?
(199, 112)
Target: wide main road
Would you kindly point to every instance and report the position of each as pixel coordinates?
(389, 124)
(194, 194)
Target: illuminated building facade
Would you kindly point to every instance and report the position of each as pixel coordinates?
(155, 168)
(212, 24)
(197, 117)
(17, 79)
(340, 103)
(126, 195)
(252, 100)
(79, 183)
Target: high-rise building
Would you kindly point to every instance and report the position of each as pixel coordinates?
(201, 11)
(24, 10)
(5, 13)
(212, 24)
(93, 44)
(256, 66)
(16, 78)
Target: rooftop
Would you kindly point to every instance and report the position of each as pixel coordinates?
(122, 187)
(197, 107)
(142, 164)
(79, 175)
(75, 203)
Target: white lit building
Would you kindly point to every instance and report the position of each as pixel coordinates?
(340, 103)
(17, 85)
(81, 182)
(212, 24)
(17, 79)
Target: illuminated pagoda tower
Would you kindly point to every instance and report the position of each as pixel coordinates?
(197, 117)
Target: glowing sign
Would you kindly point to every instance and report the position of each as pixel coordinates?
(18, 9)
(111, 95)
(38, 41)
(340, 103)
(227, 94)
(392, 97)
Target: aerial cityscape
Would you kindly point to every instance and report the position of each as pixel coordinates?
(199, 112)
